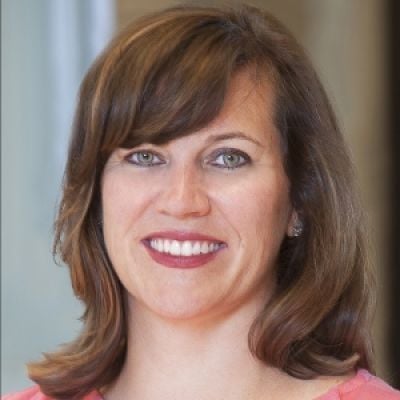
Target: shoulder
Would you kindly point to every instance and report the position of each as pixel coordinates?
(365, 386)
(34, 393)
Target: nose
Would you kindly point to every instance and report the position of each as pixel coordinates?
(183, 194)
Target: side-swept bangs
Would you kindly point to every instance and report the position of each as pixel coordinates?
(154, 85)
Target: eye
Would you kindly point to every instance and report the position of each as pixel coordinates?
(144, 158)
(229, 158)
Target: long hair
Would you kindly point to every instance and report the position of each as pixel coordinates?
(165, 76)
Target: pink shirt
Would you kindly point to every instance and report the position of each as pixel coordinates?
(363, 386)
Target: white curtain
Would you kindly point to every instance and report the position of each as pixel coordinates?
(46, 47)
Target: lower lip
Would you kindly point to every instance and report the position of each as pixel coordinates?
(184, 262)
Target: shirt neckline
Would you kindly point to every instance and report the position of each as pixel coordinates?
(362, 376)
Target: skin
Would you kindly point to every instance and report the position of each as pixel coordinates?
(193, 324)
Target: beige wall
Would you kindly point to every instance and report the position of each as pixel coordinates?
(345, 39)
(347, 43)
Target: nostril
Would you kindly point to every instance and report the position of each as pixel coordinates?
(184, 202)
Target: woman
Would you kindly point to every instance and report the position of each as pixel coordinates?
(209, 223)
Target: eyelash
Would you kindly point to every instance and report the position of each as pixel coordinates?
(244, 158)
(130, 156)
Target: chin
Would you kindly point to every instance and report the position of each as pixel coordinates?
(179, 308)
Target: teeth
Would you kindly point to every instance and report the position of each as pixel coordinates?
(159, 245)
(186, 248)
(196, 248)
(204, 248)
(167, 245)
(175, 248)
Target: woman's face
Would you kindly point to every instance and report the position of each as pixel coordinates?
(221, 192)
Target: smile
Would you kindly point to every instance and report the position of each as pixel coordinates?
(186, 248)
(182, 249)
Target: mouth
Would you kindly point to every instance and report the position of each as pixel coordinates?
(182, 250)
(187, 248)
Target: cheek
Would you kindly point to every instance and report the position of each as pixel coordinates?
(257, 207)
(115, 202)
(121, 204)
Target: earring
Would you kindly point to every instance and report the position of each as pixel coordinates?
(297, 229)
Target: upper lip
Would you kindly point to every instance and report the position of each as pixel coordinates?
(182, 235)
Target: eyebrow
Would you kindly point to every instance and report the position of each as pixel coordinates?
(232, 135)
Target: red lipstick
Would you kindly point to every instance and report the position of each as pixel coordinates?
(173, 261)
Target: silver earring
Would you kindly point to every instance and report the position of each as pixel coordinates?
(297, 230)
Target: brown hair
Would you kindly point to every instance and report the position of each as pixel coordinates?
(164, 77)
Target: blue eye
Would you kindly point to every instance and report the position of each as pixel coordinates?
(144, 158)
(229, 159)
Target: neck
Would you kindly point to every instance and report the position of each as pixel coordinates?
(170, 359)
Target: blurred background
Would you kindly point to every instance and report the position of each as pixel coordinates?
(47, 45)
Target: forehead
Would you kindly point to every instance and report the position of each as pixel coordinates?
(249, 98)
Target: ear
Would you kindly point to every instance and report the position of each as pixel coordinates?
(295, 225)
